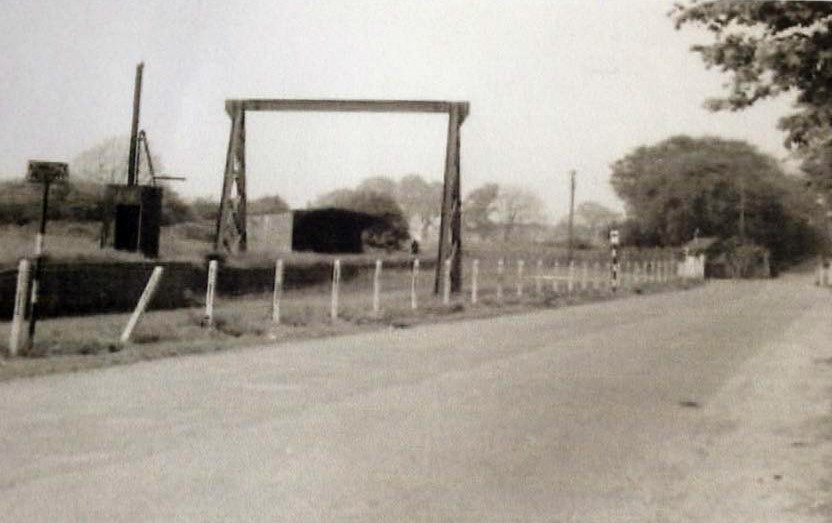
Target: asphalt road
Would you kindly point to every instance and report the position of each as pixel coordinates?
(707, 404)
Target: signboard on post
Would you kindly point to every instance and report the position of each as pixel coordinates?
(47, 172)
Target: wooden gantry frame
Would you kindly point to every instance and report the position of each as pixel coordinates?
(231, 219)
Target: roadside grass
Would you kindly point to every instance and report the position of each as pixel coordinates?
(70, 344)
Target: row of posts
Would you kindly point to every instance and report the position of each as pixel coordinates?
(657, 271)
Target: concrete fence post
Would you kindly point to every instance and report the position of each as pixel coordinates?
(414, 281)
(521, 264)
(501, 268)
(336, 289)
(596, 276)
(377, 289)
(144, 301)
(208, 318)
(19, 306)
(584, 276)
(475, 273)
(277, 294)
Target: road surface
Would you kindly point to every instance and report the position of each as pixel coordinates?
(708, 404)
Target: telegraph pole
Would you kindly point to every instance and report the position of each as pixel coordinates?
(571, 212)
(132, 167)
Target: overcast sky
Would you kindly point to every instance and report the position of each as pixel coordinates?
(553, 85)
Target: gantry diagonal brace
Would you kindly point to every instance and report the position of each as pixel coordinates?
(231, 219)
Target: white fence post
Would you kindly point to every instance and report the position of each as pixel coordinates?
(414, 280)
(521, 264)
(144, 300)
(336, 288)
(475, 273)
(278, 291)
(377, 289)
(208, 319)
(19, 306)
(501, 267)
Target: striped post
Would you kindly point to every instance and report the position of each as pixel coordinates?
(19, 306)
(277, 293)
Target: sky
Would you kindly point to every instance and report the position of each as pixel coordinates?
(553, 86)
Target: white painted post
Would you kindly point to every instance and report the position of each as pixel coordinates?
(19, 306)
(475, 273)
(538, 278)
(446, 290)
(336, 288)
(501, 268)
(521, 264)
(144, 300)
(377, 289)
(278, 291)
(208, 319)
(570, 284)
(414, 279)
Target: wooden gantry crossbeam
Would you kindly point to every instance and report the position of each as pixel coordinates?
(231, 219)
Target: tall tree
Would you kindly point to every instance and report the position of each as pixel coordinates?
(480, 207)
(420, 199)
(106, 162)
(683, 184)
(515, 206)
(595, 217)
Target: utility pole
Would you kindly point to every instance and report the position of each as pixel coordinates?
(571, 212)
(132, 166)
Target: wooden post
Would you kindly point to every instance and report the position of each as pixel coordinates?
(336, 285)
(538, 278)
(521, 264)
(209, 294)
(446, 282)
(475, 273)
(450, 238)
(596, 276)
(377, 289)
(19, 306)
(144, 301)
(414, 280)
(277, 292)
(501, 267)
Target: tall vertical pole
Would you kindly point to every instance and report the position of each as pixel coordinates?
(33, 300)
(132, 165)
(571, 213)
(450, 241)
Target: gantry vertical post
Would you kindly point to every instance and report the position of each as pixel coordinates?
(231, 218)
(450, 237)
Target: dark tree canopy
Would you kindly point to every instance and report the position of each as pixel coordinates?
(770, 48)
(683, 185)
